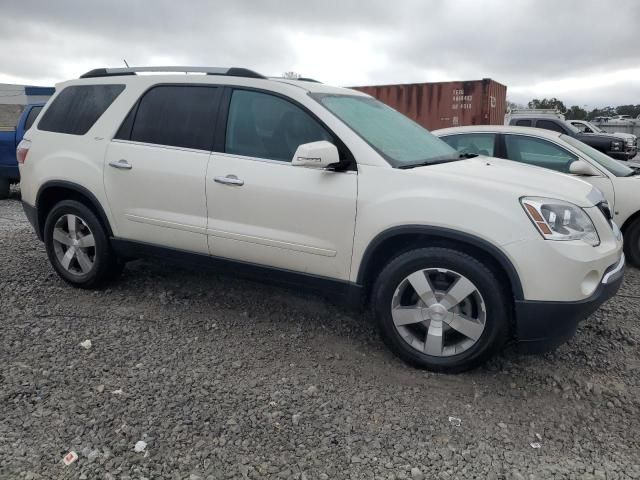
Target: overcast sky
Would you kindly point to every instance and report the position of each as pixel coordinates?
(581, 51)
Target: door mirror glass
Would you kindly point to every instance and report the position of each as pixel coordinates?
(316, 155)
(580, 167)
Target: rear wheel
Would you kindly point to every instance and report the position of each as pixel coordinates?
(78, 247)
(632, 243)
(440, 309)
(5, 188)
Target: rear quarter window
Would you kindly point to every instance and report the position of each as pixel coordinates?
(77, 108)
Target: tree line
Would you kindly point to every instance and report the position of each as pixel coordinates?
(576, 112)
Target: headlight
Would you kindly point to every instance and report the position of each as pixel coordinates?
(630, 142)
(616, 145)
(560, 220)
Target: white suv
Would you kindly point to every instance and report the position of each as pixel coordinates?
(310, 185)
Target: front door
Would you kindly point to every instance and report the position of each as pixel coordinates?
(266, 211)
(155, 168)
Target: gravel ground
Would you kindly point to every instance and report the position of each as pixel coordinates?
(225, 378)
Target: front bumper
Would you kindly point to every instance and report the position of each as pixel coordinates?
(542, 326)
(626, 155)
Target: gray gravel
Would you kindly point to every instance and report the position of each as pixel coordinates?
(225, 378)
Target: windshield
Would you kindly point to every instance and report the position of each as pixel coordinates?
(398, 139)
(594, 128)
(613, 166)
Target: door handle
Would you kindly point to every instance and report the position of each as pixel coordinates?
(229, 180)
(122, 164)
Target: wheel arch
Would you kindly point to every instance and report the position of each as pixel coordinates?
(397, 240)
(55, 191)
(627, 223)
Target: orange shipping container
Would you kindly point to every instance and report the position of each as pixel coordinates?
(446, 104)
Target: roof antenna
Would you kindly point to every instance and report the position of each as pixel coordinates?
(125, 62)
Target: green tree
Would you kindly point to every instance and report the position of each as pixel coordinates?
(548, 103)
(513, 105)
(633, 110)
(602, 112)
(576, 112)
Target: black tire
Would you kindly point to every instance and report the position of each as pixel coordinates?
(106, 265)
(632, 243)
(496, 300)
(5, 188)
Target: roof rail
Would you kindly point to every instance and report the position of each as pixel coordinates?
(535, 111)
(232, 72)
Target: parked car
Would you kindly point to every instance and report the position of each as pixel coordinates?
(621, 117)
(315, 186)
(562, 153)
(9, 139)
(609, 144)
(587, 127)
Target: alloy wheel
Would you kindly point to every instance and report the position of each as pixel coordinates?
(438, 312)
(74, 244)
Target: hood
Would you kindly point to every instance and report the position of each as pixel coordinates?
(600, 136)
(624, 135)
(517, 179)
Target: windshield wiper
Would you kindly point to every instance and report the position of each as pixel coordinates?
(426, 163)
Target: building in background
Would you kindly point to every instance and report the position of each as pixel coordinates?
(13, 98)
(446, 104)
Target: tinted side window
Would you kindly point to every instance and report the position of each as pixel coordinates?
(523, 123)
(31, 117)
(77, 108)
(478, 143)
(176, 115)
(266, 126)
(538, 152)
(549, 125)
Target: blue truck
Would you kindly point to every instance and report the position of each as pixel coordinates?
(9, 140)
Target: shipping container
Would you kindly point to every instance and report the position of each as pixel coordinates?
(446, 104)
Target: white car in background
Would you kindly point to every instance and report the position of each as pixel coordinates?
(619, 182)
(588, 127)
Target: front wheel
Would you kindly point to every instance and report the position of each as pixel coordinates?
(440, 309)
(632, 243)
(78, 247)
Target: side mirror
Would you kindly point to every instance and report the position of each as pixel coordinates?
(580, 167)
(316, 155)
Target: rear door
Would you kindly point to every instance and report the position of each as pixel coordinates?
(266, 211)
(155, 167)
(551, 125)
